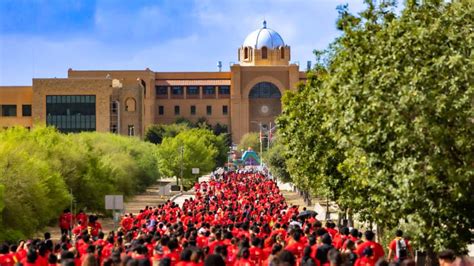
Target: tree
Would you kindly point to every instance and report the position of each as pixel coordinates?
(156, 133)
(250, 140)
(276, 161)
(390, 116)
(189, 149)
(41, 170)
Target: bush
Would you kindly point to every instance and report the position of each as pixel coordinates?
(40, 169)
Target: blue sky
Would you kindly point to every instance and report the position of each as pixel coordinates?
(43, 38)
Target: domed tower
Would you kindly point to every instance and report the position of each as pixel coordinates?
(264, 47)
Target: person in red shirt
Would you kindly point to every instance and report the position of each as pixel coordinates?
(244, 258)
(6, 259)
(30, 259)
(65, 222)
(399, 247)
(367, 258)
(173, 253)
(376, 248)
(81, 217)
(341, 238)
(296, 247)
(256, 253)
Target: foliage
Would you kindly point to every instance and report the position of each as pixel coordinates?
(40, 169)
(250, 140)
(193, 148)
(275, 160)
(384, 126)
(156, 134)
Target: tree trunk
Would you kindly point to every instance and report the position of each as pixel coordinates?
(350, 220)
(431, 258)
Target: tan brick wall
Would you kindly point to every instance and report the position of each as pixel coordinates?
(17, 95)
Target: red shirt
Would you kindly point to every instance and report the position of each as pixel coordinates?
(376, 248)
(365, 261)
(393, 246)
(296, 248)
(6, 260)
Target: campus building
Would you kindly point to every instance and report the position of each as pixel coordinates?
(127, 102)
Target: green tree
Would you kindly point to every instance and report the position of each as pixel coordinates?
(250, 140)
(40, 168)
(387, 125)
(189, 149)
(156, 133)
(275, 159)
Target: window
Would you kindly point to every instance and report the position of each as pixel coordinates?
(176, 110)
(282, 52)
(224, 90)
(192, 91)
(71, 113)
(209, 90)
(113, 128)
(246, 53)
(161, 110)
(193, 109)
(209, 110)
(131, 130)
(114, 107)
(130, 105)
(9, 110)
(161, 90)
(225, 110)
(177, 90)
(264, 52)
(26, 110)
(264, 90)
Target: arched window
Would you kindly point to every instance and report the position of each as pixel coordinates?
(282, 52)
(264, 90)
(264, 52)
(130, 105)
(246, 53)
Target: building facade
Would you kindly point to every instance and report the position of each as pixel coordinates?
(127, 102)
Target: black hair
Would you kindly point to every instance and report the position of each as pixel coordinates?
(214, 260)
(447, 255)
(186, 254)
(399, 233)
(369, 235)
(334, 257)
(52, 259)
(286, 256)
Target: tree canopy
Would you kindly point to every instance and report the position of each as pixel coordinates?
(42, 170)
(192, 148)
(384, 125)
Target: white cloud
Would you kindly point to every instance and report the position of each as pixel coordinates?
(142, 37)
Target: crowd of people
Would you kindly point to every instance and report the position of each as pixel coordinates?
(236, 218)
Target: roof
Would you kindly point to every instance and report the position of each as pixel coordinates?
(264, 37)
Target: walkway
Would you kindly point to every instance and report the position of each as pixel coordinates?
(153, 196)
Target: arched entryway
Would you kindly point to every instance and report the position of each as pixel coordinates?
(264, 105)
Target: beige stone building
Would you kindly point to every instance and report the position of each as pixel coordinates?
(127, 102)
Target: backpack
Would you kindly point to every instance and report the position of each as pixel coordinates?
(401, 249)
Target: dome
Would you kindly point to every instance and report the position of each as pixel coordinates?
(264, 37)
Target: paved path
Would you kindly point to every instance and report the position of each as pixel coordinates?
(151, 197)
